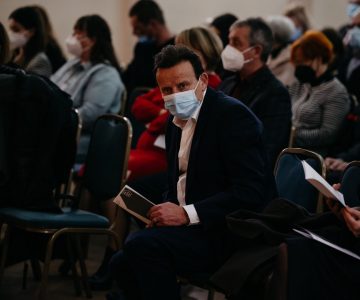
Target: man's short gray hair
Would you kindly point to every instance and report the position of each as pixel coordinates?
(260, 34)
(282, 28)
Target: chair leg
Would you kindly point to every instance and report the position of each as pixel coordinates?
(44, 278)
(25, 272)
(36, 269)
(84, 274)
(72, 260)
(5, 246)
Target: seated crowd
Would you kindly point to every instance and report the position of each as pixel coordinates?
(214, 108)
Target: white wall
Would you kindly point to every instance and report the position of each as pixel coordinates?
(179, 14)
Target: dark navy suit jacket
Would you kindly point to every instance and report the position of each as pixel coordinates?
(228, 167)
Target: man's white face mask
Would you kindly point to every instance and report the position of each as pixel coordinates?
(233, 59)
(183, 104)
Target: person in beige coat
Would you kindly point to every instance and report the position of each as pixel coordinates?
(279, 60)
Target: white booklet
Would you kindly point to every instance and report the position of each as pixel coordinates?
(310, 235)
(160, 141)
(321, 184)
(134, 203)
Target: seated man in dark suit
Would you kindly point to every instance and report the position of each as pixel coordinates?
(217, 165)
(250, 43)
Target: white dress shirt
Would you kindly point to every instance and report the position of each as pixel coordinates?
(188, 129)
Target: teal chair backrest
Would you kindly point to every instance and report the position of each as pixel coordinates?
(107, 157)
(291, 182)
(350, 184)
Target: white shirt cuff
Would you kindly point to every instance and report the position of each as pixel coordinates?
(192, 214)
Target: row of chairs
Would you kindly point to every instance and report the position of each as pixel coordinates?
(105, 175)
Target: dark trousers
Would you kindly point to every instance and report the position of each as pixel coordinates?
(152, 258)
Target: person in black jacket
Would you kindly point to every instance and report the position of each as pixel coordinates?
(148, 23)
(254, 84)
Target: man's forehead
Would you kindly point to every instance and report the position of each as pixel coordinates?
(240, 32)
(181, 71)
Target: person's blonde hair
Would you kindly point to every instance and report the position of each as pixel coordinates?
(298, 13)
(205, 41)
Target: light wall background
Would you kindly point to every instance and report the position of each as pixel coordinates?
(179, 14)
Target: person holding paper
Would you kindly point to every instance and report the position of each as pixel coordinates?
(217, 164)
(326, 273)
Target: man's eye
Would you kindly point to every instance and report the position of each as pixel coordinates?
(166, 91)
(182, 86)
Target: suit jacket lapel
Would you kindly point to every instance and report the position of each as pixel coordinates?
(201, 123)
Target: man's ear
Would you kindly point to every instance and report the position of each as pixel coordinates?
(258, 49)
(204, 78)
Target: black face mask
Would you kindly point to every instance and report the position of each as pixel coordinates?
(305, 74)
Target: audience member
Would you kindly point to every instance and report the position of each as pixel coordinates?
(148, 159)
(275, 262)
(300, 19)
(338, 49)
(320, 101)
(221, 25)
(279, 60)
(349, 73)
(147, 163)
(92, 77)
(28, 40)
(254, 84)
(52, 49)
(306, 262)
(149, 25)
(207, 180)
(347, 147)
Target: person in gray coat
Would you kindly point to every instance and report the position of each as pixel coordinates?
(92, 77)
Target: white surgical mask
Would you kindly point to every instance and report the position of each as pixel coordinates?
(183, 104)
(233, 59)
(73, 46)
(352, 38)
(17, 40)
(352, 10)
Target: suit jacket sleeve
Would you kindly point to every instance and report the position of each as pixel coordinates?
(242, 167)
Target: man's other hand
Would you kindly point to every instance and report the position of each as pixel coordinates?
(167, 214)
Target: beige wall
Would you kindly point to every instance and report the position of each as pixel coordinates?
(180, 14)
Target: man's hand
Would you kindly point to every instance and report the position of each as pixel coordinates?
(167, 214)
(335, 164)
(352, 220)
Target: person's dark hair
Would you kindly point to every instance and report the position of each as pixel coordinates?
(31, 19)
(4, 46)
(172, 55)
(260, 34)
(97, 29)
(52, 49)
(222, 23)
(338, 47)
(147, 10)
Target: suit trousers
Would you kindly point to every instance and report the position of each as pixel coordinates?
(148, 266)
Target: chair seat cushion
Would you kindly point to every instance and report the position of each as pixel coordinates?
(69, 218)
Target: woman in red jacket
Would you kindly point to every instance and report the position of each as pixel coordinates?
(148, 158)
